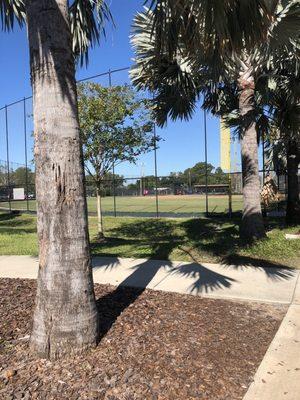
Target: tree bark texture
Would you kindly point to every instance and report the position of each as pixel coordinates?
(293, 201)
(65, 318)
(252, 226)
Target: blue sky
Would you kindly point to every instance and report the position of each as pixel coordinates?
(183, 143)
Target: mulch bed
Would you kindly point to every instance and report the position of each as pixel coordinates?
(154, 345)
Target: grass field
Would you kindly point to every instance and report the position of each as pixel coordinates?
(143, 206)
(199, 240)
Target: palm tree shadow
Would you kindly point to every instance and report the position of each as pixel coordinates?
(273, 271)
(160, 235)
(205, 280)
(113, 304)
(225, 244)
(130, 289)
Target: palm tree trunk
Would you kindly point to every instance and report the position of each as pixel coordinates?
(99, 215)
(293, 201)
(65, 318)
(252, 226)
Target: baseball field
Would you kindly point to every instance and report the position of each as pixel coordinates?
(169, 205)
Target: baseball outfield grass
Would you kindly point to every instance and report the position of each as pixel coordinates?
(146, 206)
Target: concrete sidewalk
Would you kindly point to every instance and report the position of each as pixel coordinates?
(209, 280)
(278, 376)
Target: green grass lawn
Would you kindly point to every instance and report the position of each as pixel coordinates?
(200, 240)
(194, 204)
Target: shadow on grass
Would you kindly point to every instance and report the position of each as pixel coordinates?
(224, 242)
(8, 216)
(16, 230)
(11, 223)
(157, 238)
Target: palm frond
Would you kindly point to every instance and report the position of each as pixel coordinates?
(286, 26)
(281, 50)
(11, 10)
(88, 18)
(234, 24)
(176, 100)
(185, 48)
(168, 76)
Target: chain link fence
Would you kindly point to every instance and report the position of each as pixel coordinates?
(148, 196)
(151, 194)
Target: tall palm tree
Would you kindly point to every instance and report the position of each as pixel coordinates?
(284, 102)
(275, 108)
(277, 119)
(185, 48)
(65, 318)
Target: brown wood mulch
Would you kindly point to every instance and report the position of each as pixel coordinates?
(154, 345)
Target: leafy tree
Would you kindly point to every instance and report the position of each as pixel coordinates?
(22, 176)
(115, 126)
(3, 175)
(196, 174)
(65, 318)
(220, 177)
(188, 48)
(109, 183)
(190, 177)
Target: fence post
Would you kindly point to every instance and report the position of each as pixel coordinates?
(114, 190)
(26, 160)
(278, 184)
(230, 195)
(7, 158)
(155, 168)
(113, 166)
(263, 157)
(264, 170)
(206, 170)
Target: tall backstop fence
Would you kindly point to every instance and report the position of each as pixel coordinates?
(143, 189)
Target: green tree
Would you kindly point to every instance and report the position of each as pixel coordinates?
(65, 318)
(220, 177)
(187, 48)
(115, 126)
(22, 176)
(197, 174)
(110, 183)
(3, 175)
